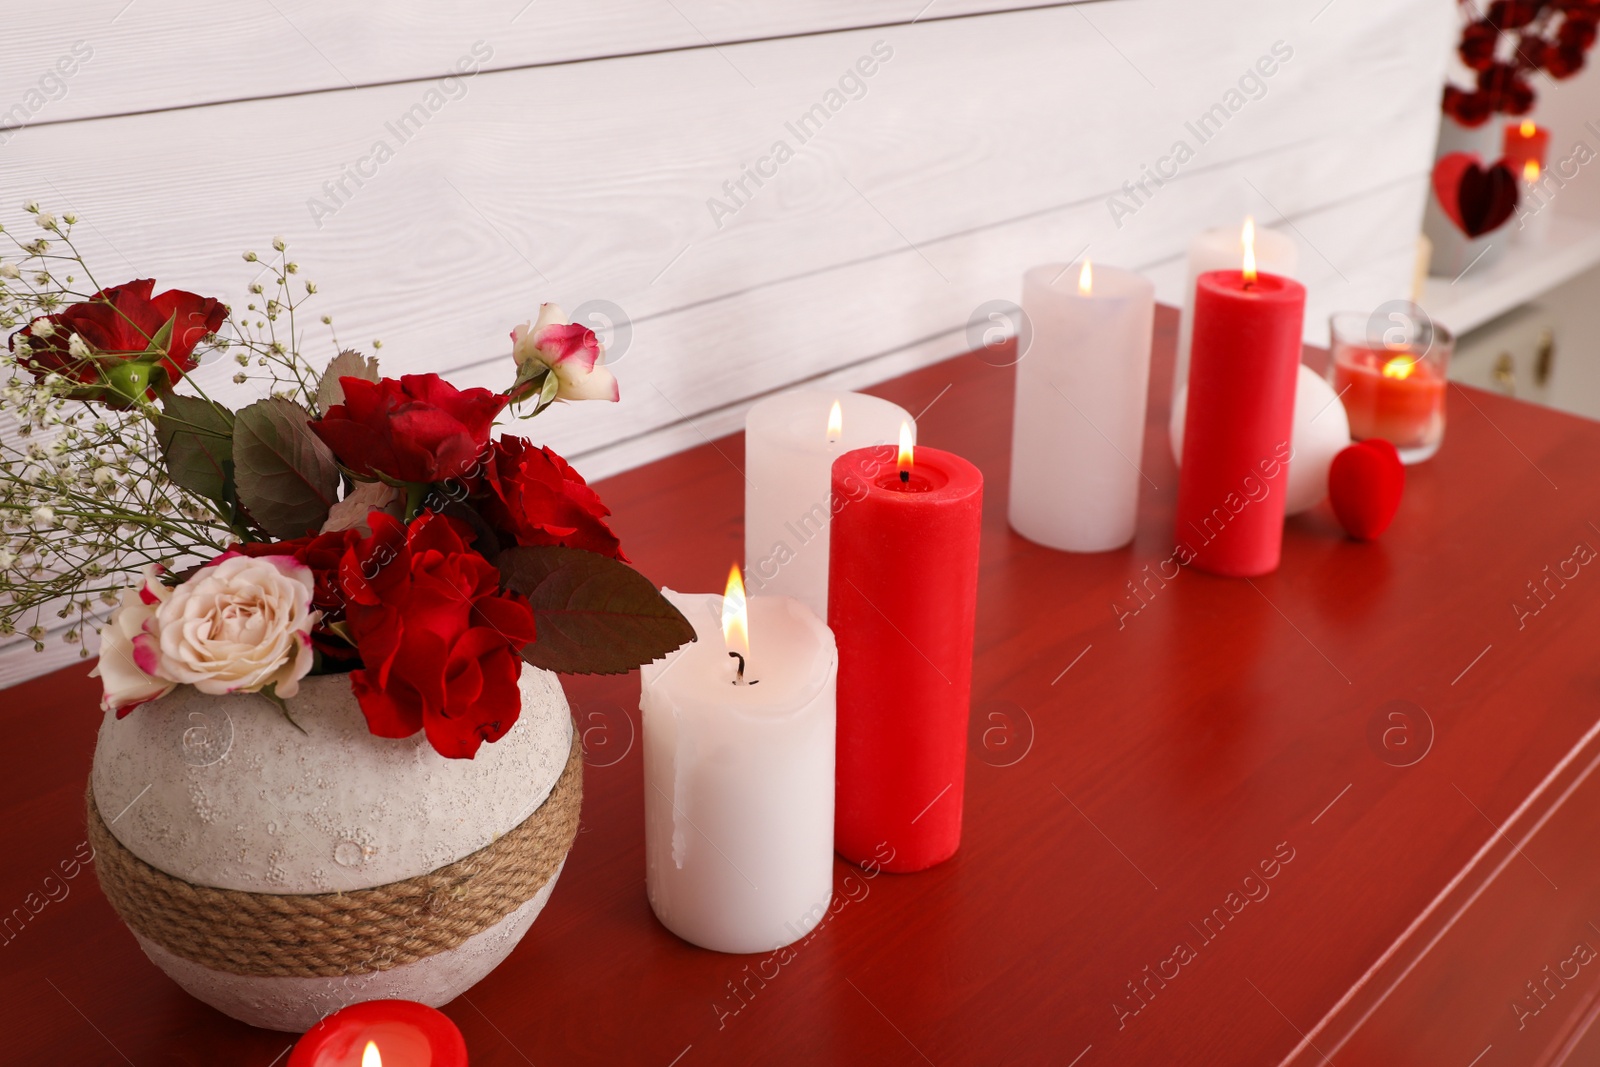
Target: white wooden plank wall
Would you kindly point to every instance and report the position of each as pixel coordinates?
(583, 159)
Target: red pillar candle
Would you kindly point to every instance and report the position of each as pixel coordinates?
(902, 598)
(402, 1033)
(1244, 364)
(1522, 142)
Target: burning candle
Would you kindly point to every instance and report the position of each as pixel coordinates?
(1078, 433)
(1240, 419)
(790, 443)
(738, 771)
(1220, 249)
(1523, 142)
(1533, 208)
(902, 598)
(382, 1033)
(1393, 384)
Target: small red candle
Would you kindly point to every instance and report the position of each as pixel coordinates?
(1392, 394)
(382, 1033)
(902, 600)
(1244, 363)
(1523, 142)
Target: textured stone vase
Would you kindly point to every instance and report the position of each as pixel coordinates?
(280, 875)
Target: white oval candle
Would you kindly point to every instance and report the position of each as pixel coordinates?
(790, 443)
(739, 774)
(1078, 435)
(1220, 249)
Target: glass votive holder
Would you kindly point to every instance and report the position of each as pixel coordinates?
(1389, 368)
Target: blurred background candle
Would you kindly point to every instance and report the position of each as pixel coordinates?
(1534, 213)
(1220, 249)
(738, 773)
(790, 442)
(382, 1033)
(1077, 438)
(1523, 141)
(1239, 423)
(1391, 376)
(902, 599)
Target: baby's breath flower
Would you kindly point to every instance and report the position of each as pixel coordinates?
(9, 270)
(43, 327)
(250, 257)
(277, 243)
(240, 378)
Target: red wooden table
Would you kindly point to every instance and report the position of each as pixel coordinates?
(1344, 813)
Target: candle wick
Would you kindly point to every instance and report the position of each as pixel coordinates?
(739, 677)
(905, 477)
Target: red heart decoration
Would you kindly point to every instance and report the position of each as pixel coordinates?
(1477, 199)
(1364, 485)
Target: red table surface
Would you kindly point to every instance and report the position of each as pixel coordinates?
(1125, 778)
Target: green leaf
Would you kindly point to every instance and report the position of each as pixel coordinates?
(162, 341)
(347, 364)
(196, 438)
(286, 477)
(547, 395)
(594, 615)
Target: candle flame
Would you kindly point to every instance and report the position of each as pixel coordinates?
(370, 1057)
(1086, 279)
(835, 422)
(1530, 171)
(735, 614)
(1247, 237)
(1528, 128)
(1400, 367)
(906, 457)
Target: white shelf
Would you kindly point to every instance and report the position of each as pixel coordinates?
(1519, 274)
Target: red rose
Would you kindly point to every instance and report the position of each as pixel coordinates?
(121, 327)
(418, 429)
(438, 638)
(322, 553)
(536, 498)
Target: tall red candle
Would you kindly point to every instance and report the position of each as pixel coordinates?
(902, 599)
(1244, 363)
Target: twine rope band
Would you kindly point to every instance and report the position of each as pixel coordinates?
(326, 935)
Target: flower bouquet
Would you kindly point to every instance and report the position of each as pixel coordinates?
(325, 773)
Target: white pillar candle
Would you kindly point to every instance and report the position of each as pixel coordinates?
(739, 781)
(1222, 248)
(1078, 435)
(790, 443)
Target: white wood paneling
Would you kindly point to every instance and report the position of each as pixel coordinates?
(980, 146)
(141, 55)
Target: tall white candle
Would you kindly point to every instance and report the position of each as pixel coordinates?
(1078, 435)
(739, 781)
(1222, 249)
(790, 443)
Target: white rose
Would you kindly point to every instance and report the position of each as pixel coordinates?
(351, 512)
(572, 352)
(130, 657)
(240, 626)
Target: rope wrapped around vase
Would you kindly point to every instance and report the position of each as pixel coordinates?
(324, 935)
